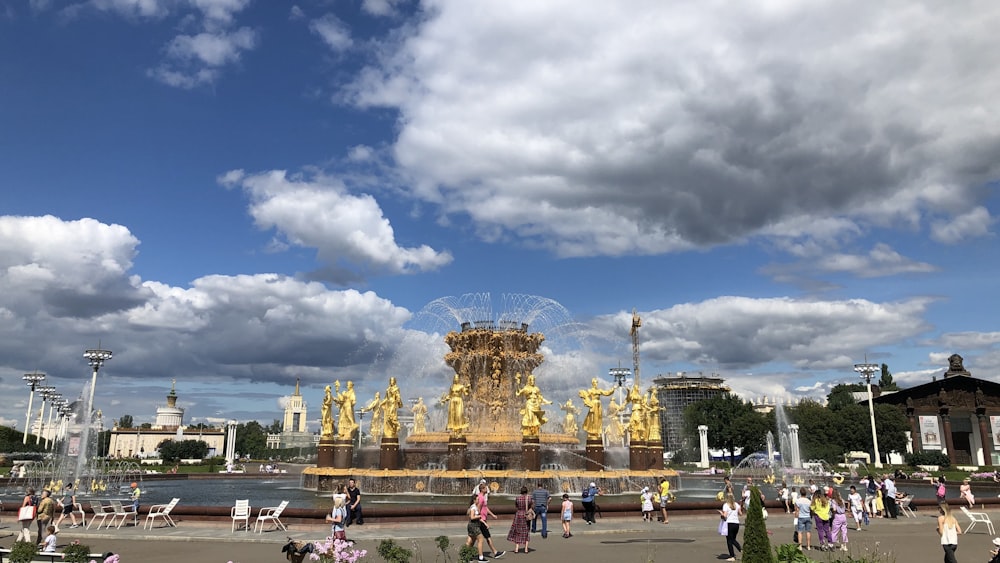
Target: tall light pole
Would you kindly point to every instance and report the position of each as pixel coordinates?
(32, 379)
(53, 399)
(95, 358)
(866, 371)
(46, 392)
(620, 375)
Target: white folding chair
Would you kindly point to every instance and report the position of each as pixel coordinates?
(78, 510)
(161, 511)
(125, 512)
(241, 512)
(270, 514)
(904, 506)
(101, 511)
(976, 517)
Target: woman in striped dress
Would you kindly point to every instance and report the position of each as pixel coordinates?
(518, 533)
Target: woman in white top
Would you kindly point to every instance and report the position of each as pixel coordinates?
(731, 513)
(949, 530)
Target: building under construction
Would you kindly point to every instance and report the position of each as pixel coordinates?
(675, 393)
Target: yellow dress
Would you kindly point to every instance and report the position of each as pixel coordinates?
(879, 506)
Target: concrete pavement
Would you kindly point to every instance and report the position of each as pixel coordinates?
(686, 538)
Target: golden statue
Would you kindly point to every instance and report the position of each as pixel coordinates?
(345, 403)
(532, 415)
(419, 417)
(614, 430)
(457, 422)
(326, 417)
(592, 400)
(637, 421)
(569, 423)
(652, 408)
(390, 407)
(375, 407)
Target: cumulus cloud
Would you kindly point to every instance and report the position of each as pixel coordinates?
(332, 31)
(975, 223)
(737, 333)
(703, 125)
(381, 7)
(349, 232)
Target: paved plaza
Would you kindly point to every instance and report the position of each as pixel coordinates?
(623, 540)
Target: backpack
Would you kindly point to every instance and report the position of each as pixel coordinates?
(940, 490)
(34, 500)
(871, 487)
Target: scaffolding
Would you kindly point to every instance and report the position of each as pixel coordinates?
(675, 393)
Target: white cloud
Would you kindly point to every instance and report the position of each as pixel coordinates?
(381, 7)
(349, 232)
(734, 332)
(212, 49)
(975, 223)
(134, 8)
(332, 31)
(703, 124)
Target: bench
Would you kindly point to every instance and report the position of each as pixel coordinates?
(49, 557)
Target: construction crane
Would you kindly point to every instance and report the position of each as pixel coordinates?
(636, 323)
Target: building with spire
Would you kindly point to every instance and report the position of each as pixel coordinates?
(294, 432)
(144, 442)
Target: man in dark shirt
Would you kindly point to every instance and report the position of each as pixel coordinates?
(354, 503)
(540, 497)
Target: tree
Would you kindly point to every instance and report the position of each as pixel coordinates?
(173, 450)
(885, 382)
(146, 426)
(842, 395)
(251, 439)
(732, 423)
(756, 544)
(125, 421)
(275, 427)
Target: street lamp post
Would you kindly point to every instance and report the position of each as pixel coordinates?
(32, 379)
(866, 371)
(53, 400)
(620, 376)
(361, 425)
(95, 358)
(45, 392)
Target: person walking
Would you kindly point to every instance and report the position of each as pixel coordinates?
(730, 512)
(646, 504)
(803, 526)
(541, 497)
(822, 513)
(839, 520)
(68, 506)
(135, 494)
(664, 498)
(566, 515)
(29, 500)
(590, 502)
(482, 503)
(518, 534)
(337, 519)
(474, 528)
(949, 530)
(46, 512)
(857, 506)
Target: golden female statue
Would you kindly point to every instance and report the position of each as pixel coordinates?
(637, 422)
(652, 408)
(345, 417)
(419, 417)
(456, 407)
(532, 415)
(390, 407)
(595, 417)
(326, 417)
(569, 423)
(375, 407)
(614, 431)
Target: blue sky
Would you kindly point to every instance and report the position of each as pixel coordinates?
(239, 193)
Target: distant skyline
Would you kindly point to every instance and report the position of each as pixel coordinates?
(237, 193)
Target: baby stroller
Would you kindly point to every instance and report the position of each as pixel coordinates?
(296, 551)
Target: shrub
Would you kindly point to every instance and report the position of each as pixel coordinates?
(76, 553)
(756, 544)
(393, 552)
(928, 458)
(467, 553)
(22, 552)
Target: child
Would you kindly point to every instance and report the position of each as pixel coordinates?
(647, 505)
(857, 506)
(567, 515)
(50, 540)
